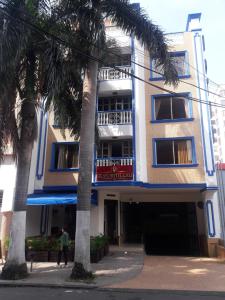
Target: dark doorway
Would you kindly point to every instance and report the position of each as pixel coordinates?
(111, 219)
(164, 228)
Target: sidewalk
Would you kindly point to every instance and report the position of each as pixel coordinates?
(120, 265)
(128, 268)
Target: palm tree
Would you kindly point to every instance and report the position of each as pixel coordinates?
(33, 68)
(89, 17)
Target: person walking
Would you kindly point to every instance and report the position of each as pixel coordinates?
(64, 245)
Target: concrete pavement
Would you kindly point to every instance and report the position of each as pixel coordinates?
(179, 273)
(120, 265)
(128, 268)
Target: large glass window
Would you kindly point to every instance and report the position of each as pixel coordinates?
(171, 107)
(66, 156)
(118, 61)
(180, 60)
(111, 149)
(174, 152)
(117, 103)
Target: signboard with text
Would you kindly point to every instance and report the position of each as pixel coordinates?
(114, 173)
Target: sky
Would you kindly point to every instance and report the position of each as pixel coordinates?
(171, 16)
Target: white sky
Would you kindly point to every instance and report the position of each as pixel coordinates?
(172, 15)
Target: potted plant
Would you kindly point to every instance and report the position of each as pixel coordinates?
(37, 249)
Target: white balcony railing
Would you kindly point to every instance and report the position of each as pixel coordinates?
(115, 118)
(108, 162)
(112, 74)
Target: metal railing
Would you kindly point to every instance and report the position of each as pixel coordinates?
(112, 74)
(115, 118)
(108, 162)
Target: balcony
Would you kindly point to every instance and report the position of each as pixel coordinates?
(114, 80)
(112, 74)
(115, 118)
(114, 169)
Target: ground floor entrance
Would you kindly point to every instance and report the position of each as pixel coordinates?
(163, 228)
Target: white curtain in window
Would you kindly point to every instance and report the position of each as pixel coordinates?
(158, 103)
(62, 157)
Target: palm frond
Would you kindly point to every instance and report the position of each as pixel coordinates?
(135, 22)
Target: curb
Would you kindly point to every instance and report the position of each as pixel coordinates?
(115, 290)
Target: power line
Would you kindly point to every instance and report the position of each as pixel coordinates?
(183, 81)
(65, 43)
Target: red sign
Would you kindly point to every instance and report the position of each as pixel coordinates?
(114, 173)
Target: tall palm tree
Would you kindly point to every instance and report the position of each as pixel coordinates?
(33, 67)
(89, 16)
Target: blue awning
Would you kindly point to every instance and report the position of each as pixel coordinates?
(51, 199)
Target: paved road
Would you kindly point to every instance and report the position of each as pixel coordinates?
(29, 293)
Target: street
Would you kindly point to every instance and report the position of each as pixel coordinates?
(28, 293)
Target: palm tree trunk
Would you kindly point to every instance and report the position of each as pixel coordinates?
(15, 266)
(87, 140)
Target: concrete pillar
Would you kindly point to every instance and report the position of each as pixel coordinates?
(5, 229)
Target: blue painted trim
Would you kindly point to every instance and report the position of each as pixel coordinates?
(210, 188)
(162, 78)
(39, 145)
(192, 17)
(209, 206)
(209, 172)
(175, 166)
(39, 176)
(133, 68)
(57, 188)
(173, 54)
(52, 162)
(198, 186)
(196, 30)
(209, 116)
(73, 188)
(190, 108)
(194, 158)
(172, 121)
(64, 170)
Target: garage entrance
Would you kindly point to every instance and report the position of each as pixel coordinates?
(164, 228)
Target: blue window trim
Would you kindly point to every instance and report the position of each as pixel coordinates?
(190, 106)
(174, 53)
(52, 168)
(194, 159)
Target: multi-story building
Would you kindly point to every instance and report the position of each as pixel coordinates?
(154, 173)
(218, 123)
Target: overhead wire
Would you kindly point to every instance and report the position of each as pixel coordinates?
(181, 80)
(66, 43)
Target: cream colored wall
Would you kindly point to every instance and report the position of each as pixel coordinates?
(179, 129)
(57, 178)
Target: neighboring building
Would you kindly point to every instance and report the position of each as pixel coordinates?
(7, 185)
(218, 123)
(154, 177)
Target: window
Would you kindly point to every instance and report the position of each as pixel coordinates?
(171, 107)
(115, 103)
(65, 156)
(118, 61)
(171, 152)
(110, 149)
(180, 60)
(1, 197)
